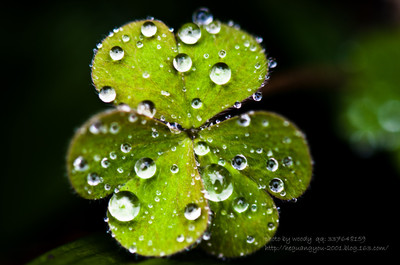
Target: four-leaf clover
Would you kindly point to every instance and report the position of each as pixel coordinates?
(177, 177)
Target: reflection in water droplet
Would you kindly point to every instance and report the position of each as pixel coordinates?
(148, 29)
(257, 96)
(146, 108)
(201, 148)
(218, 182)
(93, 179)
(220, 73)
(180, 238)
(271, 226)
(189, 33)
(240, 205)
(192, 211)
(117, 53)
(145, 168)
(237, 105)
(287, 161)
(244, 120)
(105, 163)
(182, 62)
(276, 185)
(126, 148)
(272, 164)
(222, 53)
(196, 103)
(124, 206)
(80, 164)
(174, 169)
(202, 16)
(107, 94)
(239, 162)
(139, 44)
(250, 239)
(272, 63)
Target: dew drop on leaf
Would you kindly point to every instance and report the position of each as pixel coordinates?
(80, 164)
(237, 105)
(174, 168)
(222, 53)
(145, 168)
(146, 108)
(272, 63)
(202, 16)
(240, 205)
(271, 226)
(272, 164)
(148, 29)
(201, 148)
(287, 161)
(125, 38)
(124, 206)
(107, 94)
(105, 163)
(139, 44)
(276, 185)
(192, 211)
(196, 103)
(180, 238)
(117, 53)
(220, 73)
(250, 239)
(214, 27)
(257, 96)
(189, 33)
(218, 182)
(93, 179)
(182, 62)
(244, 120)
(126, 148)
(239, 162)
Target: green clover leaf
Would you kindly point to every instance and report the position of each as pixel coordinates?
(175, 179)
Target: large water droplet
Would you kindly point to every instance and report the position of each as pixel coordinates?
(148, 29)
(239, 162)
(117, 53)
(80, 164)
(93, 179)
(125, 38)
(218, 182)
(220, 73)
(257, 96)
(107, 94)
(182, 62)
(189, 33)
(105, 163)
(126, 148)
(145, 168)
(276, 185)
(202, 16)
(240, 205)
(201, 148)
(146, 108)
(272, 164)
(196, 103)
(214, 27)
(192, 211)
(124, 206)
(244, 120)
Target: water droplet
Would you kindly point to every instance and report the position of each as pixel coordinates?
(220, 73)
(154, 134)
(240, 205)
(192, 211)
(202, 16)
(114, 127)
(117, 53)
(239, 162)
(132, 117)
(214, 27)
(201, 148)
(237, 105)
(148, 29)
(271, 226)
(107, 94)
(206, 235)
(145, 74)
(287, 161)
(244, 120)
(132, 249)
(222, 53)
(180, 238)
(272, 164)
(272, 63)
(196, 103)
(105, 163)
(139, 44)
(174, 168)
(250, 239)
(182, 62)
(146, 108)
(125, 38)
(107, 186)
(257, 96)
(189, 33)
(93, 179)
(218, 182)
(124, 206)
(276, 185)
(145, 168)
(126, 148)
(80, 164)
(389, 116)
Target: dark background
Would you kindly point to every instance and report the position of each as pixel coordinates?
(47, 94)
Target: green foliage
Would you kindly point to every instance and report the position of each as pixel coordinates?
(178, 180)
(371, 104)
